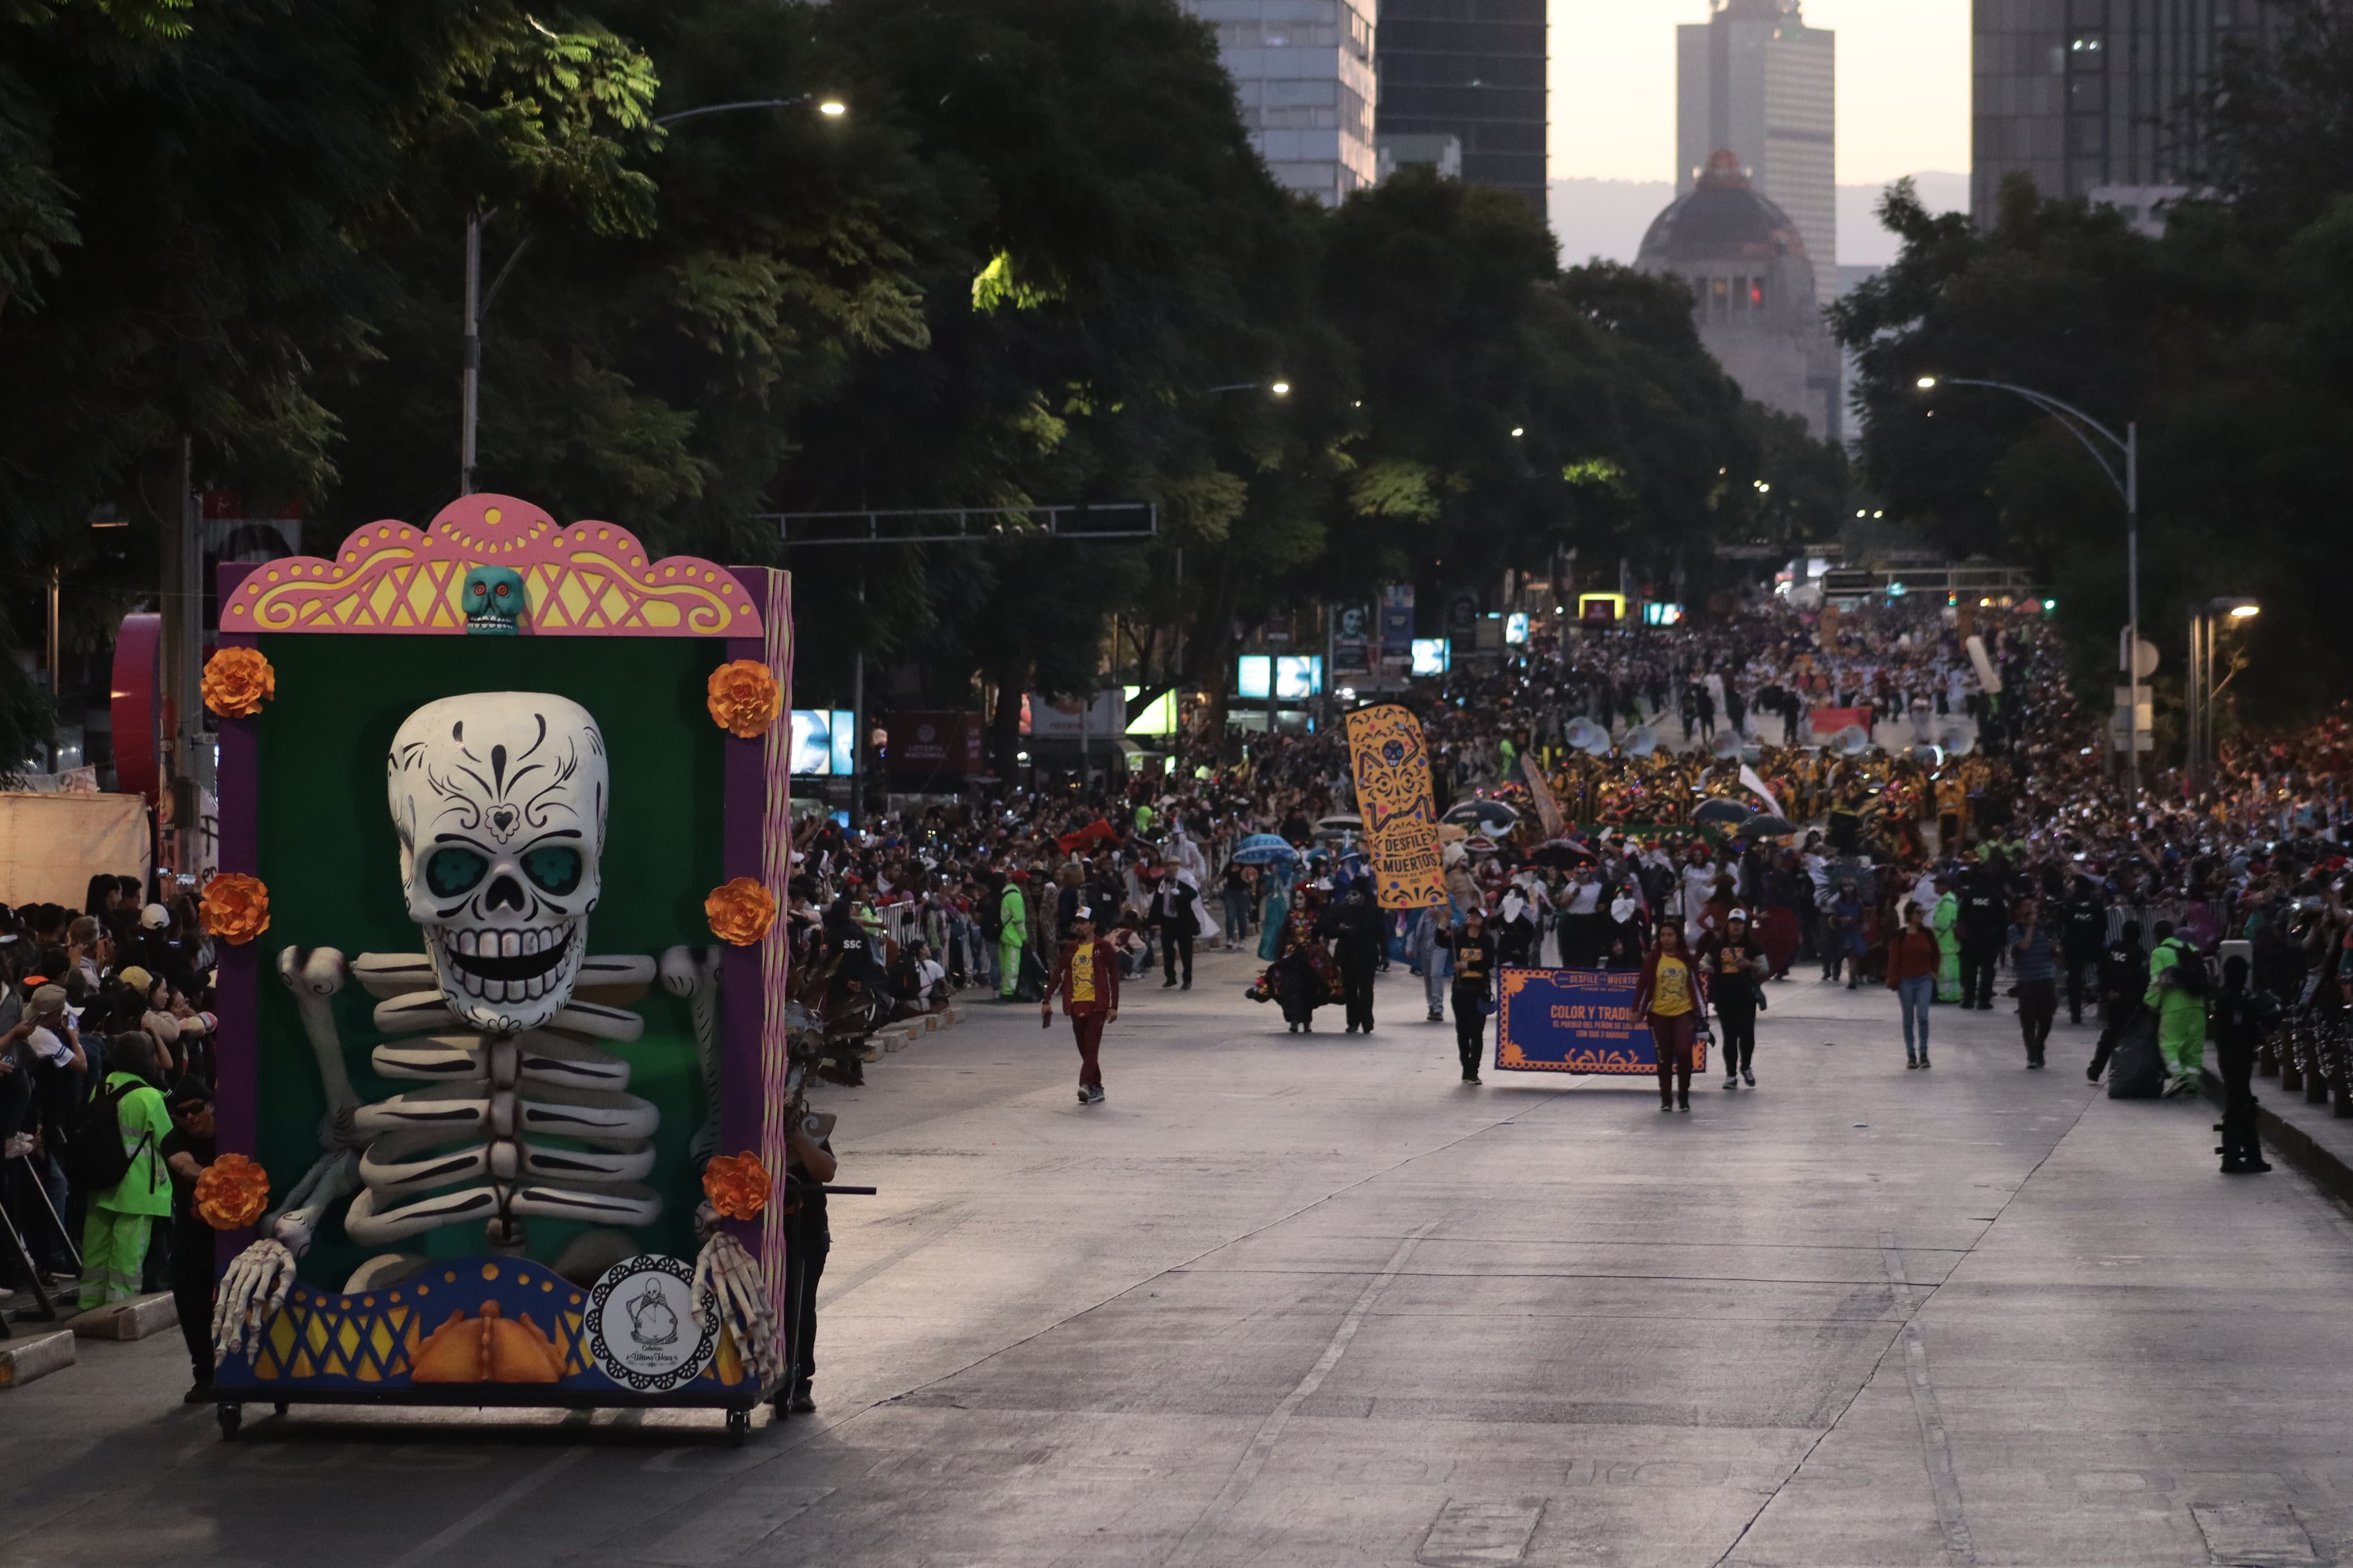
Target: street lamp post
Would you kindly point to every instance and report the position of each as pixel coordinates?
(478, 299)
(2205, 620)
(2126, 475)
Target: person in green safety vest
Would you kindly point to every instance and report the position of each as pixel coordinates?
(1012, 931)
(2176, 989)
(1946, 923)
(121, 1217)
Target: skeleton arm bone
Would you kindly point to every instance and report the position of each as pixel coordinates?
(695, 976)
(314, 979)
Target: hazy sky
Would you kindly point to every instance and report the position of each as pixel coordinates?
(1903, 86)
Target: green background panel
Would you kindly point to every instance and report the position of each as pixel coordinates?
(331, 863)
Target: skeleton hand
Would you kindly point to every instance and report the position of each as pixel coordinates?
(726, 1273)
(261, 1274)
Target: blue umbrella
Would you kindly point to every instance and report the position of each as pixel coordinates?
(1264, 849)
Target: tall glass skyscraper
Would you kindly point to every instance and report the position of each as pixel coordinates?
(1473, 70)
(1755, 81)
(1304, 69)
(2092, 98)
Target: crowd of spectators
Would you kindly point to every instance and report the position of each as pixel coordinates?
(106, 1039)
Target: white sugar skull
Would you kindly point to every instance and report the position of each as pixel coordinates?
(499, 799)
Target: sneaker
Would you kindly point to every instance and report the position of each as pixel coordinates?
(1187, 985)
(1168, 985)
(1924, 1059)
(1083, 1094)
(1473, 1078)
(198, 1393)
(1666, 1105)
(1095, 1095)
(802, 1403)
(1749, 1077)
(1435, 1017)
(2035, 1064)
(1349, 1030)
(1732, 1080)
(1682, 1102)
(2177, 1085)
(1910, 1060)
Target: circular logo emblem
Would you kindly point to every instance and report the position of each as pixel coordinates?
(644, 1331)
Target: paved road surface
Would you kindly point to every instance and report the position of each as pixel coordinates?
(1301, 1302)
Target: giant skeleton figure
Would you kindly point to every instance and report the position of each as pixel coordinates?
(499, 799)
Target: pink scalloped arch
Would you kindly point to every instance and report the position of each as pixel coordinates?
(581, 579)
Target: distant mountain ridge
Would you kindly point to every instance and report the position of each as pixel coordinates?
(1606, 218)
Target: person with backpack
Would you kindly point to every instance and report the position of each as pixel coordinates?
(115, 1154)
(2177, 989)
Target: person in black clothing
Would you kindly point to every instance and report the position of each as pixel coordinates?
(187, 1150)
(1474, 971)
(2241, 1019)
(2124, 977)
(858, 974)
(1353, 926)
(1174, 914)
(1735, 967)
(1984, 923)
(2082, 931)
(808, 1165)
(1515, 932)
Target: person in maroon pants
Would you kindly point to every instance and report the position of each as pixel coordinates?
(1087, 974)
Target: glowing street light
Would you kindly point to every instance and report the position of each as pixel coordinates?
(2126, 475)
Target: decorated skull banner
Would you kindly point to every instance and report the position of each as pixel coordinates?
(499, 800)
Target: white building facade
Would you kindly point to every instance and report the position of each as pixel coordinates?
(1754, 80)
(1304, 70)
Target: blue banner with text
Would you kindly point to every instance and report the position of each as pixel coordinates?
(1576, 1020)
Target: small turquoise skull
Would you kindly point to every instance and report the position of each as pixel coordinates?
(493, 599)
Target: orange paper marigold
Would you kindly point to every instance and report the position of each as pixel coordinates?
(740, 911)
(235, 908)
(744, 698)
(238, 682)
(736, 1184)
(232, 1192)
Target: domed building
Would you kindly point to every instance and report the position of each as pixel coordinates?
(1753, 284)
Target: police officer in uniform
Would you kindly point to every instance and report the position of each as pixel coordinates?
(1983, 924)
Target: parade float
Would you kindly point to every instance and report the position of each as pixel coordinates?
(505, 1061)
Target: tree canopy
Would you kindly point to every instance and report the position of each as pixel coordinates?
(1036, 262)
(2226, 341)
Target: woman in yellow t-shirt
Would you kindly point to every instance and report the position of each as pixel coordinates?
(1670, 1000)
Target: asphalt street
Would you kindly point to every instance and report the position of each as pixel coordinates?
(1307, 1301)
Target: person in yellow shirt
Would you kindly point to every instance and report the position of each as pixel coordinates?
(1669, 998)
(1087, 974)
